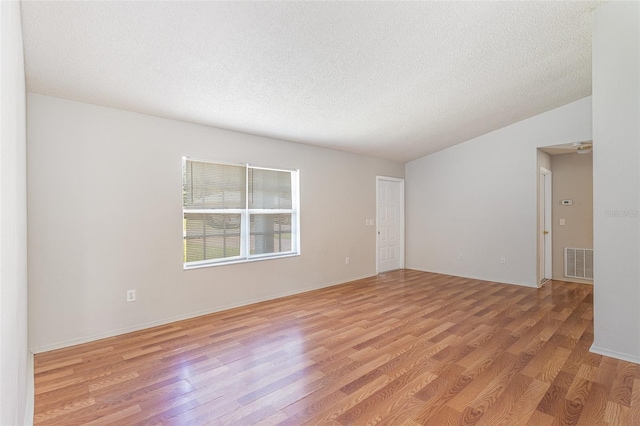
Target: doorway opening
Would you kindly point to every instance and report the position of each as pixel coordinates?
(565, 212)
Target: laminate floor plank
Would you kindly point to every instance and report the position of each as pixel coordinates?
(402, 348)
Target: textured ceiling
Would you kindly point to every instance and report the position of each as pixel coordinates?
(396, 80)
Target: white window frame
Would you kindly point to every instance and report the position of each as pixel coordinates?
(245, 219)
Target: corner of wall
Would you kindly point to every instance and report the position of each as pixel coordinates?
(616, 172)
(15, 395)
(29, 409)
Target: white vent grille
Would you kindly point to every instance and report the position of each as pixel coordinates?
(578, 263)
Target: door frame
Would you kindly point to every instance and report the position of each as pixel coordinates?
(545, 213)
(401, 214)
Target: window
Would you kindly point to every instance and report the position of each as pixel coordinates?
(235, 213)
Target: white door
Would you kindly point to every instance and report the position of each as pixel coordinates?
(544, 218)
(390, 220)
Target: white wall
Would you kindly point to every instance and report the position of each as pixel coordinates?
(105, 215)
(15, 396)
(616, 177)
(478, 199)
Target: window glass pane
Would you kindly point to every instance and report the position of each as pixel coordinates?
(213, 186)
(211, 236)
(269, 189)
(270, 233)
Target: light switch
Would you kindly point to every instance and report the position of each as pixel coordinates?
(562, 222)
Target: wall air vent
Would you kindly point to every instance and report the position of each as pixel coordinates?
(578, 263)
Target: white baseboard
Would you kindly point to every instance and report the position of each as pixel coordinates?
(29, 408)
(613, 354)
(112, 333)
(489, 279)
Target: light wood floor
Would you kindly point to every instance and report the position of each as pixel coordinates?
(405, 347)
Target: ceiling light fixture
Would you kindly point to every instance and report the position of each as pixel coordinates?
(582, 147)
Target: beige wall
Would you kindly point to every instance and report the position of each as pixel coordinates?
(573, 180)
(105, 215)
(16, 380)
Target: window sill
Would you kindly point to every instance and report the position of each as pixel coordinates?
(236, 261)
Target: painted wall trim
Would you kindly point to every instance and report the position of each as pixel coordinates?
(613, 354)
(118, 332)
(545, 216)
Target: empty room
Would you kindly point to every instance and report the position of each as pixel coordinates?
(306, 213)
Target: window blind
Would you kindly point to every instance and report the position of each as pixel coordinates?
(235, 212)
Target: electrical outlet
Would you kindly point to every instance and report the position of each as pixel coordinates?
(131, 295)
(562, 222)
(460, 257)
(503, 260)
(346, 261)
